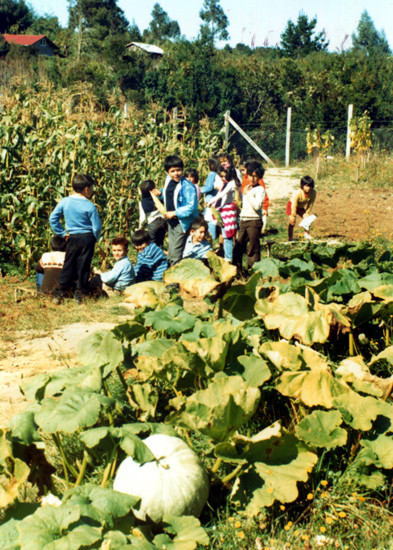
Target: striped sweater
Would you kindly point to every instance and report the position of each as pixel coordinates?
(151, 264)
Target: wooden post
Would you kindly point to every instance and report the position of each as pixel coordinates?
(250, 141)
(175, 119)
(288, 141)
(126, 106)
(226, 126)
(348, 151)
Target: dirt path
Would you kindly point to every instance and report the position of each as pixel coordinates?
(37, 353)
(280, 183)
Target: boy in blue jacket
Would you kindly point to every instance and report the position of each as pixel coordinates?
(83, 226)
(181, 203)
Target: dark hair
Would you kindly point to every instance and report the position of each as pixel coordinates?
(120, 241)
(246, 162)
(199, 222)
(228, 157)
(140, 237)
(173, 161)
(193, 173)
(257, 168)
(231, 174)
(307, 180)
(81, 181)
(220, 169)
(58, 244)
(214, 163)
(147, 186)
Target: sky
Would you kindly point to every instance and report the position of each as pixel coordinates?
(254, 22)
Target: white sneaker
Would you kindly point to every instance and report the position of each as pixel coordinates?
(308, 237)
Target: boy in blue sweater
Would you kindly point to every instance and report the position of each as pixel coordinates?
(151, 263)
(83, 226)
(181, 203)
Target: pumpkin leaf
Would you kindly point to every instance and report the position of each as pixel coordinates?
(13, 471)
(269, 267)
(24, 427)
(253, 370)
(187, 532)
(193, 277)
(129, 331)
(9, 536)
(172, 319)
(223, 270)
(382, 447)
(314, 388)
(144, 398)
(321, 429)
(101, 349)
(217, 411)
(152, 348)
(360, 412)
(74, 410)
(147, 294)
(124, 436)
(240, 299)
(375, 280)
(285, 356)
(385, 292)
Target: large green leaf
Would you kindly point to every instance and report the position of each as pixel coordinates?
(186, 531)
(74, 410)
(147, 294)
(384, 292)
(153, 348)
(361, 309)
(360, 412)
(145, 399)
(321, 429)
(13, 471)
(101, 349)
(314, 388)
(172, 319)
(129, 331)
(374, 280)
(217, 411)
(240, 300)
(24, 427)
(193, 277)
(285, 356)
(276, 461)
(59, 528)
(223, 270)
(125, 436)
(253, 370)
(212, 351)
(269, 267)
(382, 446)
(9, 536)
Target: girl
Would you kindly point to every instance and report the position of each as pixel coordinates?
(192, 175)
(210, 192)
(301, 204)
(224, 203)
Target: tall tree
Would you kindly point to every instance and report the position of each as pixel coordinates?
(46, 24)
(15, 16)
(215, 21)
(368, 39)
(161, 25)
(298, 40)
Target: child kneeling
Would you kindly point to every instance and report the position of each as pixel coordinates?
(48, 268)
(301, 205)
(152, 262)
(121, 276)
(196, 245)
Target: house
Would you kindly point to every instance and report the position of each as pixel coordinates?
(153, 51)
(42, 43)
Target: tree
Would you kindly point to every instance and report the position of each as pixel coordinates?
(15, 16)
(48, 25)
(161, 26)
(298, 40)
(368, 39)
(216, 22)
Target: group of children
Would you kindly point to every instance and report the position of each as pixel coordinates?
(235, 206)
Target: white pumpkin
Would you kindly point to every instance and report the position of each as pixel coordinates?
(175, 483)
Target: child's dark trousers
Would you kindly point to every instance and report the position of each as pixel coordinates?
(79, 253)
(249, 230)
(157, 231)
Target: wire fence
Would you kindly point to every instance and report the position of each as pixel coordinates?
(272, 141)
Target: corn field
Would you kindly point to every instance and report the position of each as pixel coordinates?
(47, 137)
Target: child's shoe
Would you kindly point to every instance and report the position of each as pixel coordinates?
(307, 236)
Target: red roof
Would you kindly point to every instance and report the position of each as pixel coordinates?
(23, 39)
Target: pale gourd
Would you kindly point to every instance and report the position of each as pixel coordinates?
(175, 483)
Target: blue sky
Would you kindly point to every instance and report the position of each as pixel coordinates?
(261, 20)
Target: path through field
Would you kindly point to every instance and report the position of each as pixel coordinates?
(280, 183)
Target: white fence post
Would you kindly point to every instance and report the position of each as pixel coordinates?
(348, 151)
(288, 141)
(226, 139)
(126, 110)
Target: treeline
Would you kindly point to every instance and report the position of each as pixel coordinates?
(256, 84)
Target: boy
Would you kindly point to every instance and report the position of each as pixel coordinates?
(50, 265)
(196, 245)
(181, 203)
(250, 220)
(247, 168)
(151, 262)
(84, 228)
(301, 205)
(156, 222)
(122, 275)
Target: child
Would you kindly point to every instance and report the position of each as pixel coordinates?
(122, 274)
(152, 262)
(196, 246)
(210, 192)
(224, 203)
(181, 203)
(84, 228)
(301, 205)
(250, 221)
(156, 222)
(226, 161)
(50, 265)
(248, 166)
(192, 175)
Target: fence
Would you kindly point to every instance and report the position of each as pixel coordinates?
(272, 140)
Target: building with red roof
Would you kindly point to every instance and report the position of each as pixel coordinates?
(41, 42)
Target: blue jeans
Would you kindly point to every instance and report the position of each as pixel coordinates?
(228, 245)
(212, 229)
